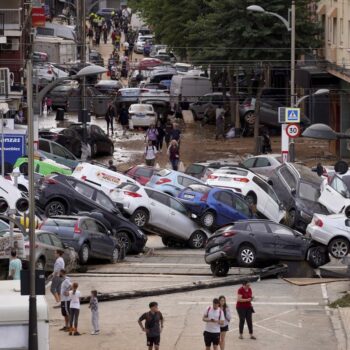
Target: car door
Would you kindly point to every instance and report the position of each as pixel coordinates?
(159, 209)
(288, 245)
(335, 195)
(94, 236)
(105, 241)
(225, 209)
(264, 240)
(45, 248)
(83, 197)
(284, 186)
(179, 223)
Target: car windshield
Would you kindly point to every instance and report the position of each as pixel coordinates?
(195, 169)
(141, 108)
(60, 222)
(308, 191)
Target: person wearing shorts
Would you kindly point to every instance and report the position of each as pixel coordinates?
(66, 286)
(154, 322)
(214, 318)
(56, 279)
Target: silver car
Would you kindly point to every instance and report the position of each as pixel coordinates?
(263, 165)
(159, 213)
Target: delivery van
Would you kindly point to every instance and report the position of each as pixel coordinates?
(14, 318)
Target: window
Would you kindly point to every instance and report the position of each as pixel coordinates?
(174, 204)
(258, 227)
(44, 146)
(266, 188)
(56, 241)
(104, 201)
(91, 225)
(262, 162)
(241, 206)
(309, 192)
(58, 150)
(195, 169)
(59, 222)
(280, 230)
(84, 190)
(339, 186)
(101, 228)
(335, 30)
(44, 238)
(159, 197)
(226, 199)
(249, 163)
(185, 181)
(144, 172)
(288, 178)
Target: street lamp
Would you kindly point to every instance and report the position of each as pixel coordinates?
(316, 93)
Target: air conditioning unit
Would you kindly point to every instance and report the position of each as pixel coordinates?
(4, 81)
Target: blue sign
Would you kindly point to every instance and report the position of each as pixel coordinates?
(15, 147)
(292, 115)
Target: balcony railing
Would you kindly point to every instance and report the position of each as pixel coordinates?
(12, 18)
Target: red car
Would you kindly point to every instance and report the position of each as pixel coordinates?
(141, 173)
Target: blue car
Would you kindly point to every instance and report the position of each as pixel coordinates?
(215, 207)
(172, 182)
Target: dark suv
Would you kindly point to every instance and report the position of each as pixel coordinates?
(64, 195)
(298, 188)
(89, 237)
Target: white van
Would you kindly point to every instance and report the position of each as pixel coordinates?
(100, 177)
(14, 318)
(189, 87)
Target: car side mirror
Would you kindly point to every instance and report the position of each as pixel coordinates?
(293, 191)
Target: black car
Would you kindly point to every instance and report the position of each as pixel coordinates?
(64, 195)
(298, 188)
(251, 243)
(96, 58)
(89, 237)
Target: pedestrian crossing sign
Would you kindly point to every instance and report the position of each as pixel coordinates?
(292, 115)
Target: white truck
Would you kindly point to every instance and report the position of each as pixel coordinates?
(14, 318)
(59, 50)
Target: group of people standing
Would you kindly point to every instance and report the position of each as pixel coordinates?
(155, 137)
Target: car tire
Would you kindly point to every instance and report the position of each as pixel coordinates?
(338, 247)
(55, 207)
(40, 264)
(84, 254)
(317, 257)
(111, 150)
(197, 240)
(246, 256)
(140, 217)
(220, 268)
(208, 219)
(115, 256)
(124, 240)
(249, 118)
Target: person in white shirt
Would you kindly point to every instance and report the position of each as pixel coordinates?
(56, 279)
(74, 295)
(150, 153)
(214, 318)
(224, 328)
(66, 286)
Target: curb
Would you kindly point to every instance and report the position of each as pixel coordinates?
(187, 287)
(345, 325)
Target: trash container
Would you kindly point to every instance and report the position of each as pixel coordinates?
(60, 114)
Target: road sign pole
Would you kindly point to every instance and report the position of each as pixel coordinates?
(284, 143)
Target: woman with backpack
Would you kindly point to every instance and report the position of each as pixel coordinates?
(174, 154)
(152, 134)
(227, 314)
(150, 153)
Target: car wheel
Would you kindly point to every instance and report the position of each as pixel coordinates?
(140, 217)
(111, 150)
(94, 150)
(220, 268)
(246, 256)
(115, 255)
(40, 264)
(55, 208)
(84, 254)
(338, 248)
(317, 257)
(124, 240)
(198, 240)
(250, 118)
(208, 219)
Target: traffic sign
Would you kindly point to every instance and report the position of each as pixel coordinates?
(293, 130)
(292, 115)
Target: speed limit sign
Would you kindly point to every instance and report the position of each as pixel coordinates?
(293, 130)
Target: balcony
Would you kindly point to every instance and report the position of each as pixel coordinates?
(11, 19)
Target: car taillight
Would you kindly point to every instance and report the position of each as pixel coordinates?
(132, 194)
(162, 181)
(240, 179)
(212, 177)
(144, 90)
(204, 197)
(50, 181)
(49, 71)
(83, 178)
(229, 233)
(76, 228)
(319, 223)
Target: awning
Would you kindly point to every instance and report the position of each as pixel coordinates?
(321, 9)
(333, 12)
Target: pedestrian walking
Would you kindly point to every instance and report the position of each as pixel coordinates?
(66, 286)
(126, 48)
(174, 154)
(111, 166)
(105, 33)
(150, 153)
(74, 309)
(152, 134)
(245, 309)
(109, 117)
(90, 35)
(227, 318)
(154, 323)
(93, 306)
(266, 144)
(124, 118)
(15, 266)
(220, 123)
(214, 319)
(56, 278)
(160, 137)
(175, 134)
(168, 132)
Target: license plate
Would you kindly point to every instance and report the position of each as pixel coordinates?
(214, 249)
(224, 179)
(188, 196)
(140, 115)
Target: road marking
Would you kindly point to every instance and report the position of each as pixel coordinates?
(164, 264)
(299, 325)
(277, 303)
(272, 331)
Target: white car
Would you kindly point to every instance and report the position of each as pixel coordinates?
(11, 197)
(160, 213)
(100, 177)
(153, 93)
(256, 190)
(264, 164)
(140, 43)
(142, 115)
(335, 193)
(47, 73)
(332, 231)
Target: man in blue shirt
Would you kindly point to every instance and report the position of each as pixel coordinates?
(15, 266)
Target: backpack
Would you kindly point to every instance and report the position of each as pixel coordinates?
(209, 308)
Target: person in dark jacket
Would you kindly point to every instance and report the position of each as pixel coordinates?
(174, 154)
(110, 115)
(160, 136)
(168, 131)
(124, 118)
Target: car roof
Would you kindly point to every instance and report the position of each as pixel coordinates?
(303, 172)
(68, 217)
